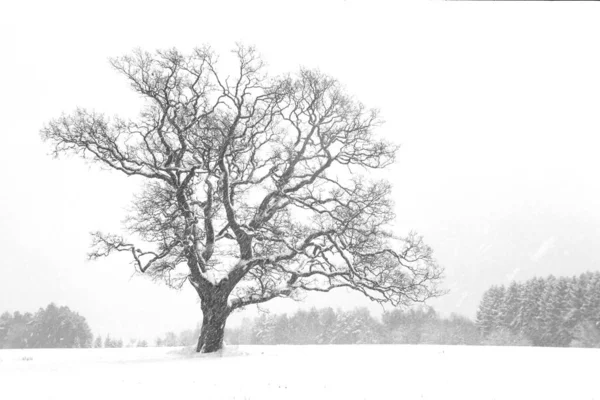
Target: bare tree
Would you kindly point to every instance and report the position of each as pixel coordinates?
(252, 186)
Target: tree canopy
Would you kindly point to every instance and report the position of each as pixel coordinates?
(256, 187)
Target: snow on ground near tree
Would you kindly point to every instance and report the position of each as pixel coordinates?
(302, 372)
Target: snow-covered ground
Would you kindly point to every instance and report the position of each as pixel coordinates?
(302, 372)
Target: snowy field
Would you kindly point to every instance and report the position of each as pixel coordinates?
(302, 372)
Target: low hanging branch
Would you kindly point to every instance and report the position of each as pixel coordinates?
(252, 191)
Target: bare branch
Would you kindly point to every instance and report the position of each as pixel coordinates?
(247, 192)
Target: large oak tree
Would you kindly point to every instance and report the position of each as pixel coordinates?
(254, 186)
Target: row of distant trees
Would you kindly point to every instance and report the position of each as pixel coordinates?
(358, 326)
(543, 312)
(109, 342)
(540, 312)
(48, 328)
(185, 338)
(170, 339)
(60, 327)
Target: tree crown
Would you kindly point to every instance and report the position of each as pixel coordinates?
(252, 183)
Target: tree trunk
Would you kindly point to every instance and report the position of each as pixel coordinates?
(215, 313)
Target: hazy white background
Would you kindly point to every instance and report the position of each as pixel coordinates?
(496, 106)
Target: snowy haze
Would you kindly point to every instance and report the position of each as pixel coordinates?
(495, 106)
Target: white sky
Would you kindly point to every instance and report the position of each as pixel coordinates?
(495, 105)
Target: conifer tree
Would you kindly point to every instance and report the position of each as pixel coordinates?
(488, 318)
(510, 308)
(530, 310)
(575, 302)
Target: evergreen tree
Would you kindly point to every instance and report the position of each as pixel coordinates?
(594, 300)
(488, 316)
(555, 330)
(498, 301)
(547, 317)
(357, 327)
(301, 332)
(509, 309)
(591, 300)
(264, 329)
(576, 297)
(461, 330)
(327, 323)
(281, 329)
(411, 327)
(530, 315)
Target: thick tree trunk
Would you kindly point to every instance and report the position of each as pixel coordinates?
(215, 313)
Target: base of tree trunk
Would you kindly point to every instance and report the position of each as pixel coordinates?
(212, 331)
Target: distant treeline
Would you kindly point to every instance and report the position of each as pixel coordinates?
(184, 338)
(329, 326)
(48, 328)
(539, 312)
(111, 343)
(543, 312)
